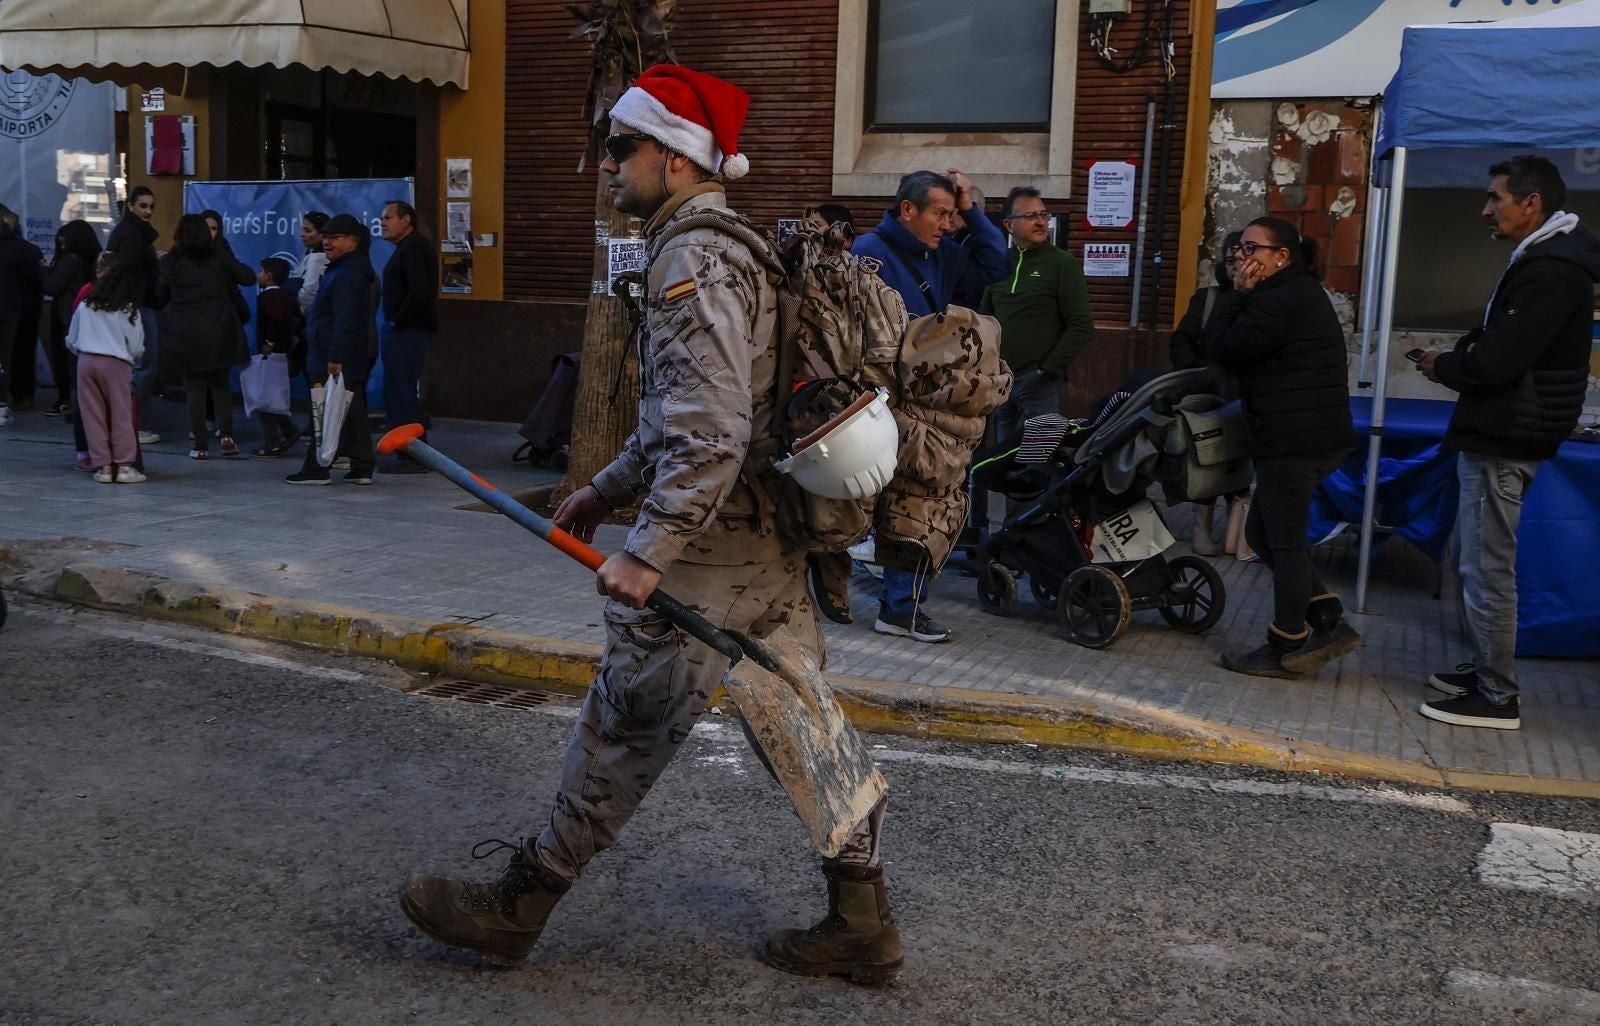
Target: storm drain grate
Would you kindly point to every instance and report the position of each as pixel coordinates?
(486, 694)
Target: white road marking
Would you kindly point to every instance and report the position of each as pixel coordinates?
(1513, 996)
(1378, 795)
(1531, 858)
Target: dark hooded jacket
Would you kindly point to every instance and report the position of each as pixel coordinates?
(1283, 341)
(200, 315)
(134, 240)
(339, 327)
(1186, 344)
(1524, 374)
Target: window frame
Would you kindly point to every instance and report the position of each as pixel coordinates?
(870, 163)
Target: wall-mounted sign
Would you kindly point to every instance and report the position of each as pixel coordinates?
(1111, 194)
(154, 101)
(1106, 260)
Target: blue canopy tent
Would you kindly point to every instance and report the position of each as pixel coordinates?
(1529, 83)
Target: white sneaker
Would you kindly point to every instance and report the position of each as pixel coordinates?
(148, 438)
(129, 475)
(5, 415)
(102, 476)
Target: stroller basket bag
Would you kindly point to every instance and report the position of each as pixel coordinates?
(1214, 438)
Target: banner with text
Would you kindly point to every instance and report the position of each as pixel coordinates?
(262, 219)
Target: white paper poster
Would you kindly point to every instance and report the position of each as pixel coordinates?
(458, 221)
(1111, 193)
(1107, 260)
(623, 255)
(458, 177)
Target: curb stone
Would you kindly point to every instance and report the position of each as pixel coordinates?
(877, 706)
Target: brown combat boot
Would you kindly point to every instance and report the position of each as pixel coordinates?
(501, 921)
(857, 938)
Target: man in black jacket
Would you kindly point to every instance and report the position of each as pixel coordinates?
(1522, 378)
(410, 317)
(134, 240)
(337, 332)
(21, 282)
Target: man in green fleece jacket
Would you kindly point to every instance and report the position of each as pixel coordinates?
(1042, 305)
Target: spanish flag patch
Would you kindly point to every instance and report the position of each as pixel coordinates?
(682, 290)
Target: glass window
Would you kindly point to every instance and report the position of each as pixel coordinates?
(951, 64)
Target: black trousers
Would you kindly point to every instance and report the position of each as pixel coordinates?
(1279, 519)
(355, 438)
(212, 385)
(23, 366)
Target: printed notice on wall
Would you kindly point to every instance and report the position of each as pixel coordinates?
(622, 256)
(458, 177)
(458, 221)
(1106, 260)
(1110, 204)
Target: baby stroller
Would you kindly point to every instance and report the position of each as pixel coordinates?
(1086, 536)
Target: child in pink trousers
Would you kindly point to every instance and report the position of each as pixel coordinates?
(108, 338)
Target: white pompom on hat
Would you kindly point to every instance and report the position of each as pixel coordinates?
(690, 112)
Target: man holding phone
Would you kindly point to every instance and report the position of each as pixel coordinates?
(1522, 376)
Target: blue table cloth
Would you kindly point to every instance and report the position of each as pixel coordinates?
(1558, 548)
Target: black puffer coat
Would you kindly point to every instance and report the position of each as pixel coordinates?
(201, 319)
(1523, 376)
(1283, 341)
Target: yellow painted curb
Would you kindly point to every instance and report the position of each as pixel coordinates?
(876, 706)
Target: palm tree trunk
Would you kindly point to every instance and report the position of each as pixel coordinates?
(607, 404)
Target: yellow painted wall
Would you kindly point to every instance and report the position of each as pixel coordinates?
(193, 100)
(1197, 152)
(472, 123)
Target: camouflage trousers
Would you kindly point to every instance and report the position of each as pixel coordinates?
(654, 683)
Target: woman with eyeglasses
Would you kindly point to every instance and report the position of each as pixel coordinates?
(1186, 346)
(1278, 333)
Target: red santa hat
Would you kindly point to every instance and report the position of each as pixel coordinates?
(691, 113)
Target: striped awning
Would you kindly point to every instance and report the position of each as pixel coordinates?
(145, 41)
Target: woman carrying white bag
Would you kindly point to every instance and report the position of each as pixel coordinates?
(338, 330)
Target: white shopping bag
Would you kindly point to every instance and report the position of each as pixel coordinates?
(265, 384)
(1134, 534)
(335, 404)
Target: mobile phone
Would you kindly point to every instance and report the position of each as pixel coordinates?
(1415, 356)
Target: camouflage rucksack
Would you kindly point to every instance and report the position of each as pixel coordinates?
(840, 329)
(843, 331)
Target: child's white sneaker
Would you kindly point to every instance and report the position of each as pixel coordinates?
(129, 475)
(102, 476)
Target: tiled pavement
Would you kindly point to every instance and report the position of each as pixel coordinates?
(404, 547)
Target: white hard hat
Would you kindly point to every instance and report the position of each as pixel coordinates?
(852, 456)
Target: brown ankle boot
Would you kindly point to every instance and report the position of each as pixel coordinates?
(501, 921)
(857, 938)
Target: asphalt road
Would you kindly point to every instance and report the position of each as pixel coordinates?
(196, 829)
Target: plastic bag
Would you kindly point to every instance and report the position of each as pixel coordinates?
(265, 384)
(335, 404)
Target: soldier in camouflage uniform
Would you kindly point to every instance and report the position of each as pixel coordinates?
(708, 358)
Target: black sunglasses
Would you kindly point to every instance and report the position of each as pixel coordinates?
(621, 147)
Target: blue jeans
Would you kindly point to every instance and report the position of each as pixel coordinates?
(903, 592)
(404, 351)
(1492, 489)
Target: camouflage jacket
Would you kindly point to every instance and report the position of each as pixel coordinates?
(707, 362)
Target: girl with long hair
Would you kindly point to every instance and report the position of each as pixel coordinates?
(108, 338)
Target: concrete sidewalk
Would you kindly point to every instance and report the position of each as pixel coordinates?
(403, 548)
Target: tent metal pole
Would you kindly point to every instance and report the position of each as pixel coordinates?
(1144, 210)
(1391, 246)
(1377, 198)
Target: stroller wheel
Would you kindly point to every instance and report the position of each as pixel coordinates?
(1094, 608)
(1043, 594)
(997, 590)
(558, 461)
(1196, 597)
